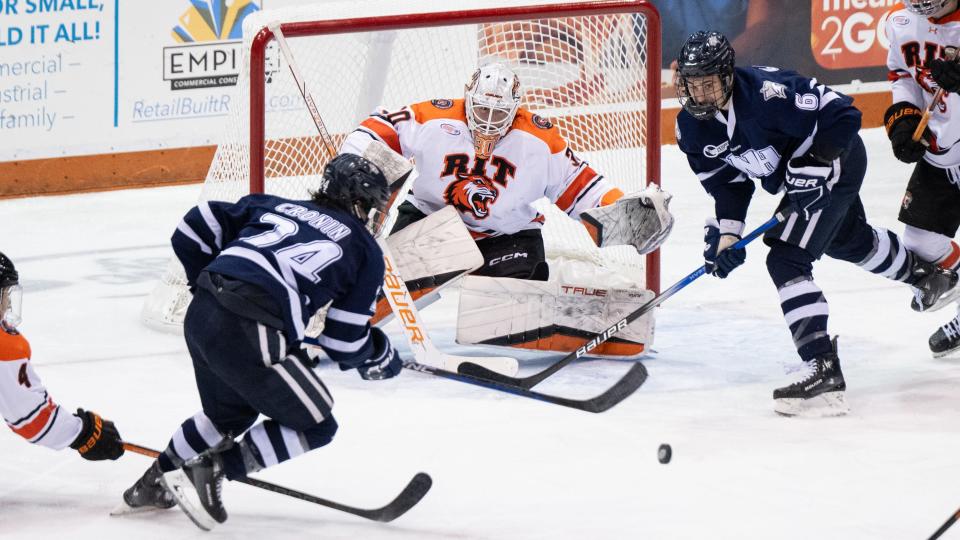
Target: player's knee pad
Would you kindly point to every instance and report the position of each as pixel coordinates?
(321, 434)
(928, 245)
(786, 262)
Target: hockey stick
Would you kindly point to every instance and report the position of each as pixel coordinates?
(943, 528)
(623, 388)
(401, 304)
(415, 490)
(949, 54)
(478, 371)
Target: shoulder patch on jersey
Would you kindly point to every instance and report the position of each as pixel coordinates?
(541, 122)
(771, 90)
(526, 121)
(901, 20)
(442, 103)
(13, 347)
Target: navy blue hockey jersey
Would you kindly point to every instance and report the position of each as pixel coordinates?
(303, 254)
(773, 116)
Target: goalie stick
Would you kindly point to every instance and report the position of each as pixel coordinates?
(478, 371)
(399, 297)
(415, 490)
(622, 389)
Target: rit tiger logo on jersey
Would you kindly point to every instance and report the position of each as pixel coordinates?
(911, 52)
(473, 191)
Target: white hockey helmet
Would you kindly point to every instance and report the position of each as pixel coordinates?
(925, 8)
(492, 98)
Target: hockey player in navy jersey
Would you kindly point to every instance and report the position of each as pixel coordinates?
(259, 269)
(799, 137)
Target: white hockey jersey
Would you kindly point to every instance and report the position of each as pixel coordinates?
(492, 195)
(24, 402)
(914, 42)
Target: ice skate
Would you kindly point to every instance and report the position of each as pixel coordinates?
(146, 494)
(935, 288)
(946, 340)
(197, 488)
(820, 391)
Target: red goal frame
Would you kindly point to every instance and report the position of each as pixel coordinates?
(503, 14)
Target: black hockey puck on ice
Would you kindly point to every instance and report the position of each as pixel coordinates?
(664, 453)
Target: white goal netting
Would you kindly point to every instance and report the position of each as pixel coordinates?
(585, 71)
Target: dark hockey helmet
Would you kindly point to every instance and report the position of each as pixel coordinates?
(925, 8)
(703, 56)
(11, 295)
(357, 186)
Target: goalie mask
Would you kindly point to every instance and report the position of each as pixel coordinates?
(11, 295)
(492, 98)
(705, 74)
(357, 186)
(925, 8)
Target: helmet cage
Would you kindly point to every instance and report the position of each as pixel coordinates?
(925, 8)
(11, 304)
(705, 54)
(492, 98)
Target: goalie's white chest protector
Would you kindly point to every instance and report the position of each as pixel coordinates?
(492, 195)
(914, 41)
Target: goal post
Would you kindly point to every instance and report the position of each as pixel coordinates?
(591, 67)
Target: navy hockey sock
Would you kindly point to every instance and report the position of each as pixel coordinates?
(804, 307)
(195, 435)
(887, 257)
(268, 443)
(805, 310)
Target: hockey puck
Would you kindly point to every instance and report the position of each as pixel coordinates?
(664, 453)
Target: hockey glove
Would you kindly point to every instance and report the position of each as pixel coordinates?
(901, 120)
(98, 438)
(806, 183)
(718, 258)
(384, 363)
(946, 73)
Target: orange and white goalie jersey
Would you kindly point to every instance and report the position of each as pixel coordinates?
(24, 402)
(914, 42)
(492, 195)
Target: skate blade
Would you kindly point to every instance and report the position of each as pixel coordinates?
(949, 352)
(180, 487)
(948, 298)
(823, 405)
(124, 509)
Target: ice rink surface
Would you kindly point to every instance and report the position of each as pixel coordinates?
(505, 467)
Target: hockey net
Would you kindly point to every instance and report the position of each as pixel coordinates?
(592, 68)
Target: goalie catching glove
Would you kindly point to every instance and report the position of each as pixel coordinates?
(641, 219)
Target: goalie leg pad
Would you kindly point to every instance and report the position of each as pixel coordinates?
(430, 254)
(550, 316)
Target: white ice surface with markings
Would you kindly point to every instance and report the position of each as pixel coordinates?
(505, 467)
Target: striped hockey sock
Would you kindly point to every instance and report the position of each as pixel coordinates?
(269, 443)
(805, 310)
(194, 436)
(888, 258)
